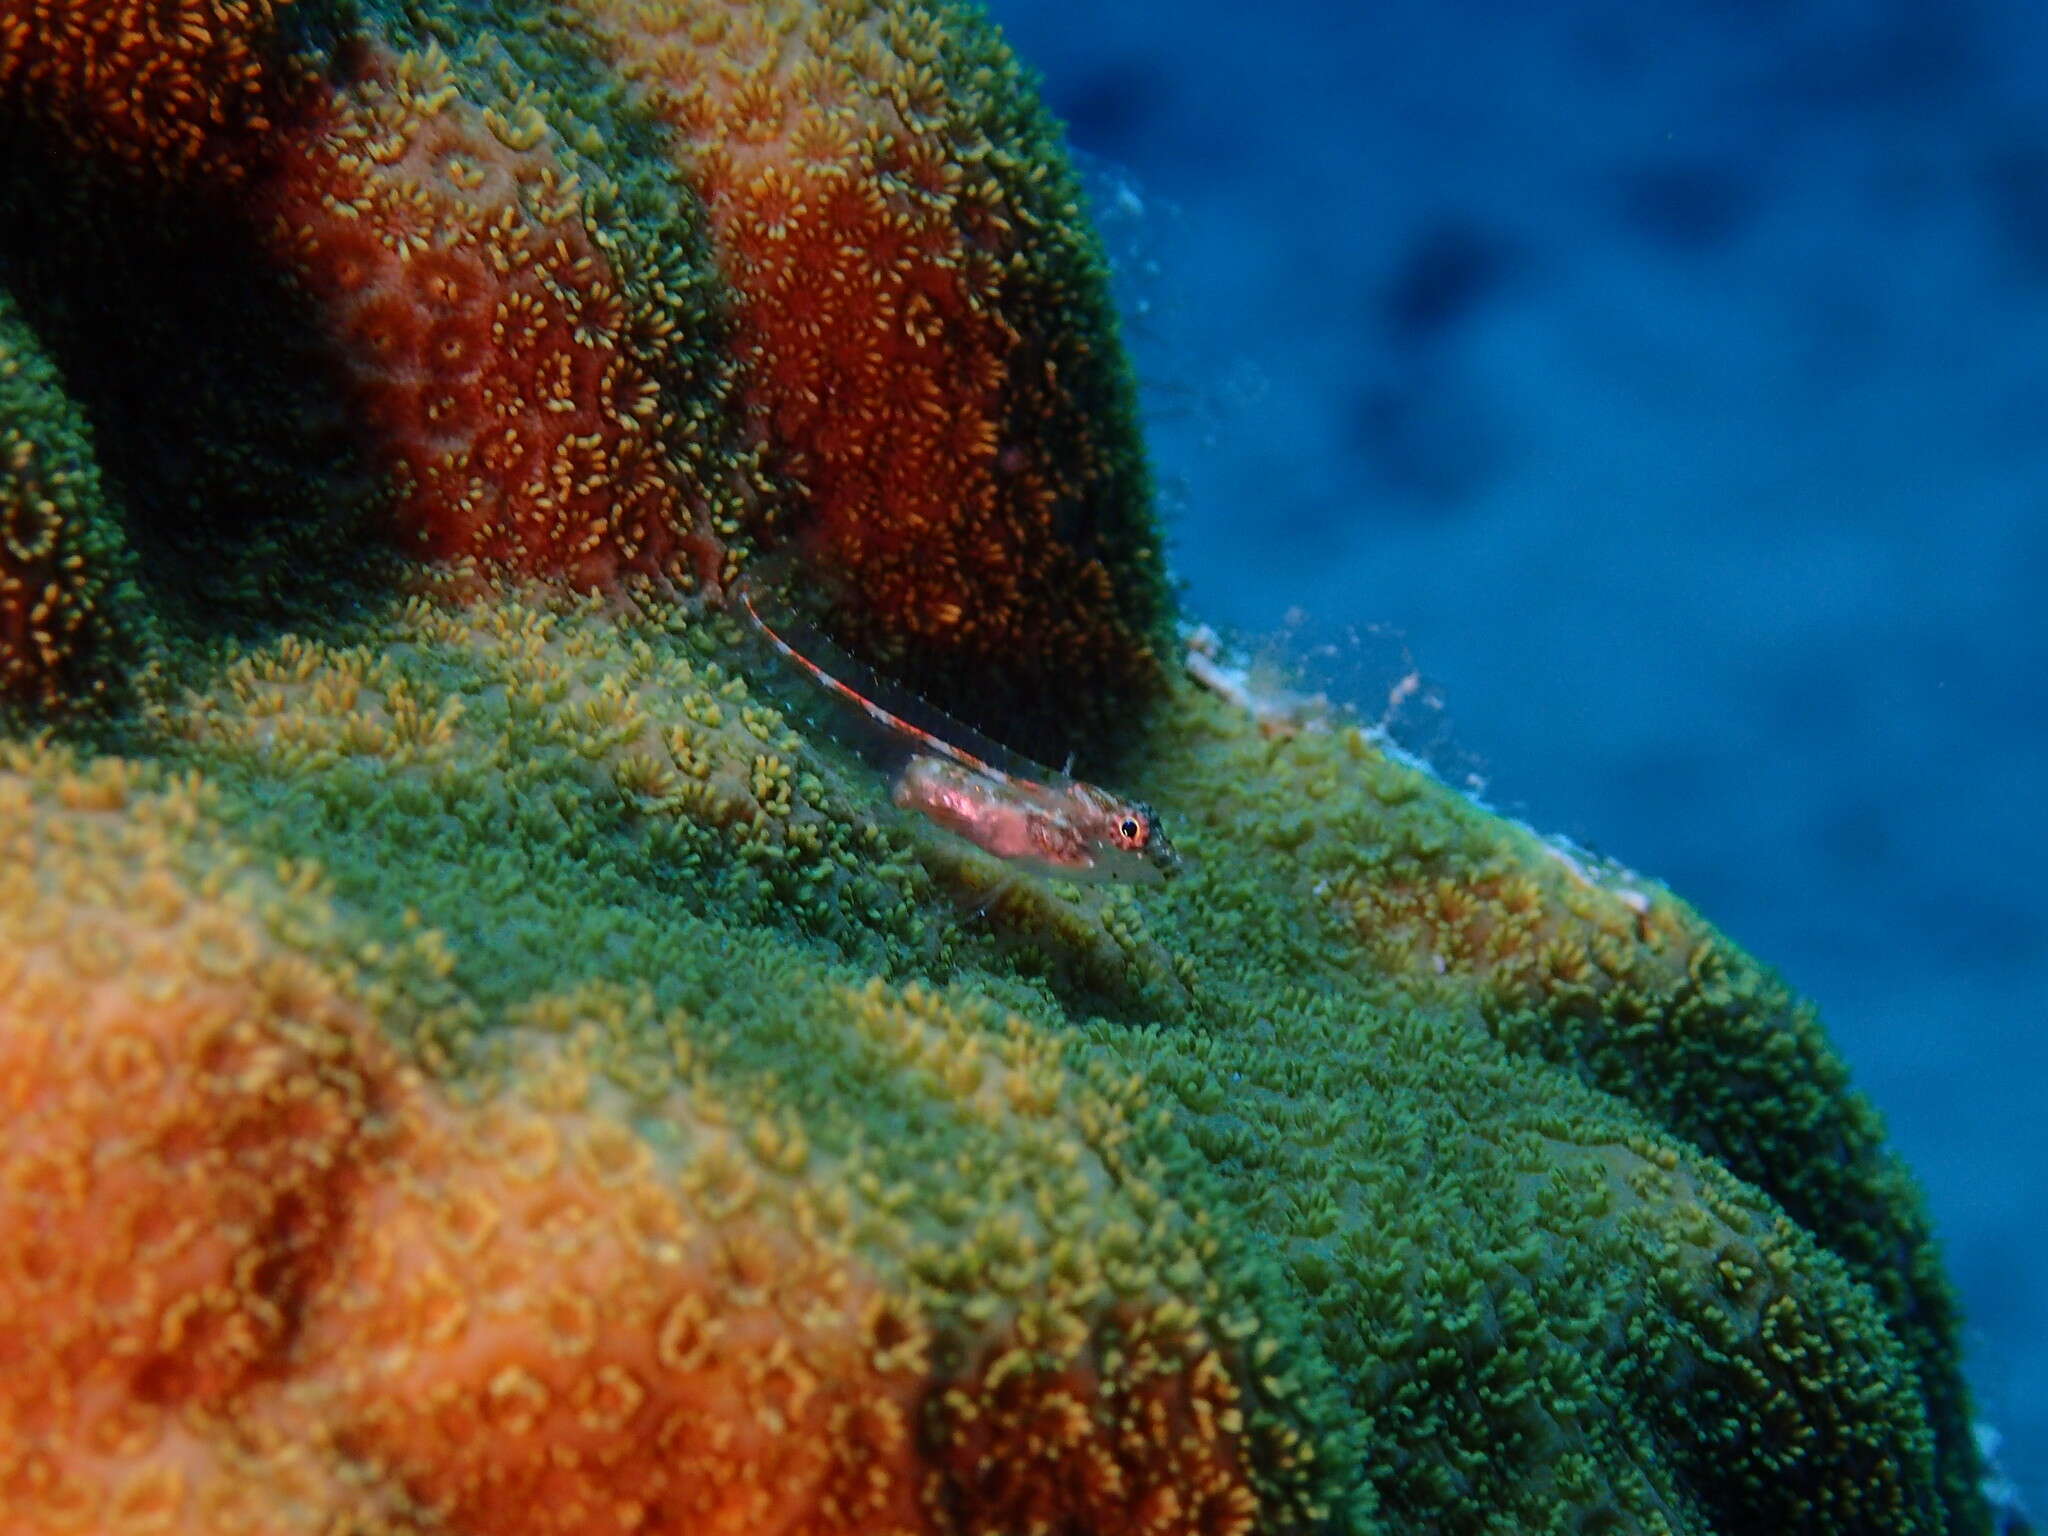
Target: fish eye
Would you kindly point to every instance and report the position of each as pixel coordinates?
(1130, 828)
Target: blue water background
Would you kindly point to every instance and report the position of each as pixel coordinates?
(1675, 378)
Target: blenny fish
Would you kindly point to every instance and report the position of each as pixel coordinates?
(1016, 810)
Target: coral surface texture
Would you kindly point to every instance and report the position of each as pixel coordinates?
(480, 1054)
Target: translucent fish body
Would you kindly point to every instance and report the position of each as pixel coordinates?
(958, 779)
(1065, 828)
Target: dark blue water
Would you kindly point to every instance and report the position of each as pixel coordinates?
(1675, 378)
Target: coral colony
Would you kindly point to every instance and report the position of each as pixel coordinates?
(476, 1058)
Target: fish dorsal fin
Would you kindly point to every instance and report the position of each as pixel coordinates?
(886, 722)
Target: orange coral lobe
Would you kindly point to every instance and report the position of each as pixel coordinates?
(550, 1373)
(167, 86)
(484, 333)
(908, 364)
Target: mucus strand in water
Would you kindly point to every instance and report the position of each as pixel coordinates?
(957, 779)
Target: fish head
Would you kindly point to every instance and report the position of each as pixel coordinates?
(1125, 837)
